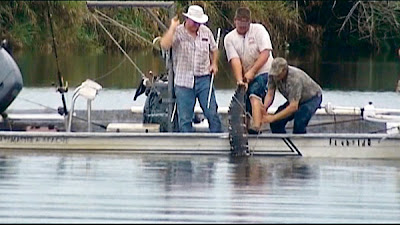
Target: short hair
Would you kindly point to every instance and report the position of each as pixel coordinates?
(243, 12)
(277, 66)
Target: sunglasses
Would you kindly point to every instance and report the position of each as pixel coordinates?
(195, 23)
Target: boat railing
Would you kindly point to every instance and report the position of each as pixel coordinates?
(88, 89)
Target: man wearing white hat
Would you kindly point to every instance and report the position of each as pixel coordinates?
(195, 58)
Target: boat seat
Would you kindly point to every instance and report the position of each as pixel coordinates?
(133, 127)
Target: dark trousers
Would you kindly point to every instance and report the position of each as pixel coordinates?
(301, 117)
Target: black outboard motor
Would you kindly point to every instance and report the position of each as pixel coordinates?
(156, 107)
(7, 46)
(10, 78)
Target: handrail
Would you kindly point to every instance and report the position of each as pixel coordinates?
(88, 89)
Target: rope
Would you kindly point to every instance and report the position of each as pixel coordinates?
(125, 28)
(384, 130)
(107, 18)
(326, 123)
(52, 109)
(111, 71)
(119, 46)
(243, 108)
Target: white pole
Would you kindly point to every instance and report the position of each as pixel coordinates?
(212, 75)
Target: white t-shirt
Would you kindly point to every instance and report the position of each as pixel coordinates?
(248, 47)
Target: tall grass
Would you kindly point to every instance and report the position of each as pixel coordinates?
(297, 24)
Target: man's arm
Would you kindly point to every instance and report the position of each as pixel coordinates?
(269, 98)
(214, 62)
(261, 60)
(168, 37)
(237, 70)
(288, 111)
(233, 59)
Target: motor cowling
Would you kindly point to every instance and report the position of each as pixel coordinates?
(10, 79)
(156, 107)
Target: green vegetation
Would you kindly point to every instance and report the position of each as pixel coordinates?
(292, 24)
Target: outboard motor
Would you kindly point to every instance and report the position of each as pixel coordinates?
(156, 106)
(10, 78)
(7, 46)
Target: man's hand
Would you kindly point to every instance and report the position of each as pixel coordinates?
(174, 22)
(167, 38)
(249, 76)
(214, 68)
(246, 85)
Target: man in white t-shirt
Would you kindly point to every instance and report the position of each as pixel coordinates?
(249, 51)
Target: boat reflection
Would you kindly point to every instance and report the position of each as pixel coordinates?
(137, 188)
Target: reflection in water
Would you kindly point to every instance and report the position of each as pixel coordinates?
(96, 188)
(181, 173)
(251, 171)
(247, 171)
(7, 167)
(333, 69)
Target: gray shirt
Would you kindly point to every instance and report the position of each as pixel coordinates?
(297, 86)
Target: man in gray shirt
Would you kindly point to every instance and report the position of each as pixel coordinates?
(303, 95)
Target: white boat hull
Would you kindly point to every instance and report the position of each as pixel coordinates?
(306, 145)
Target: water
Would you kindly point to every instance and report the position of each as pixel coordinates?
(71, 187)
(92, 188)
(333, 70)
(347, 78)
(48, 98)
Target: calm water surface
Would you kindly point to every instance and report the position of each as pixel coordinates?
(43, 187)
(333, 69)
(90, 188)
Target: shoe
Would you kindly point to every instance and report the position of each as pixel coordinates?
(253, 131)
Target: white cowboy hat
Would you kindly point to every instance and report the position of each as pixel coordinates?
(196, 14)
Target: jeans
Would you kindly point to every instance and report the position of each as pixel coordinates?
(301, 117)
(257, 87)
(186, 100)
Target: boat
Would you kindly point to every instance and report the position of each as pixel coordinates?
(338, 132)
(335, 131)
(377, 146)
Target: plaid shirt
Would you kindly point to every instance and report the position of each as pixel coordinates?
(191, 55)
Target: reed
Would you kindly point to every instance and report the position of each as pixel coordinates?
(291, 24)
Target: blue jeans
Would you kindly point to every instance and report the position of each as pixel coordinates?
(258, 87)
(186, 100)
(301, 117)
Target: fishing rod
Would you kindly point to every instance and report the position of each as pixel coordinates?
(61, 88)
(212, 75)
